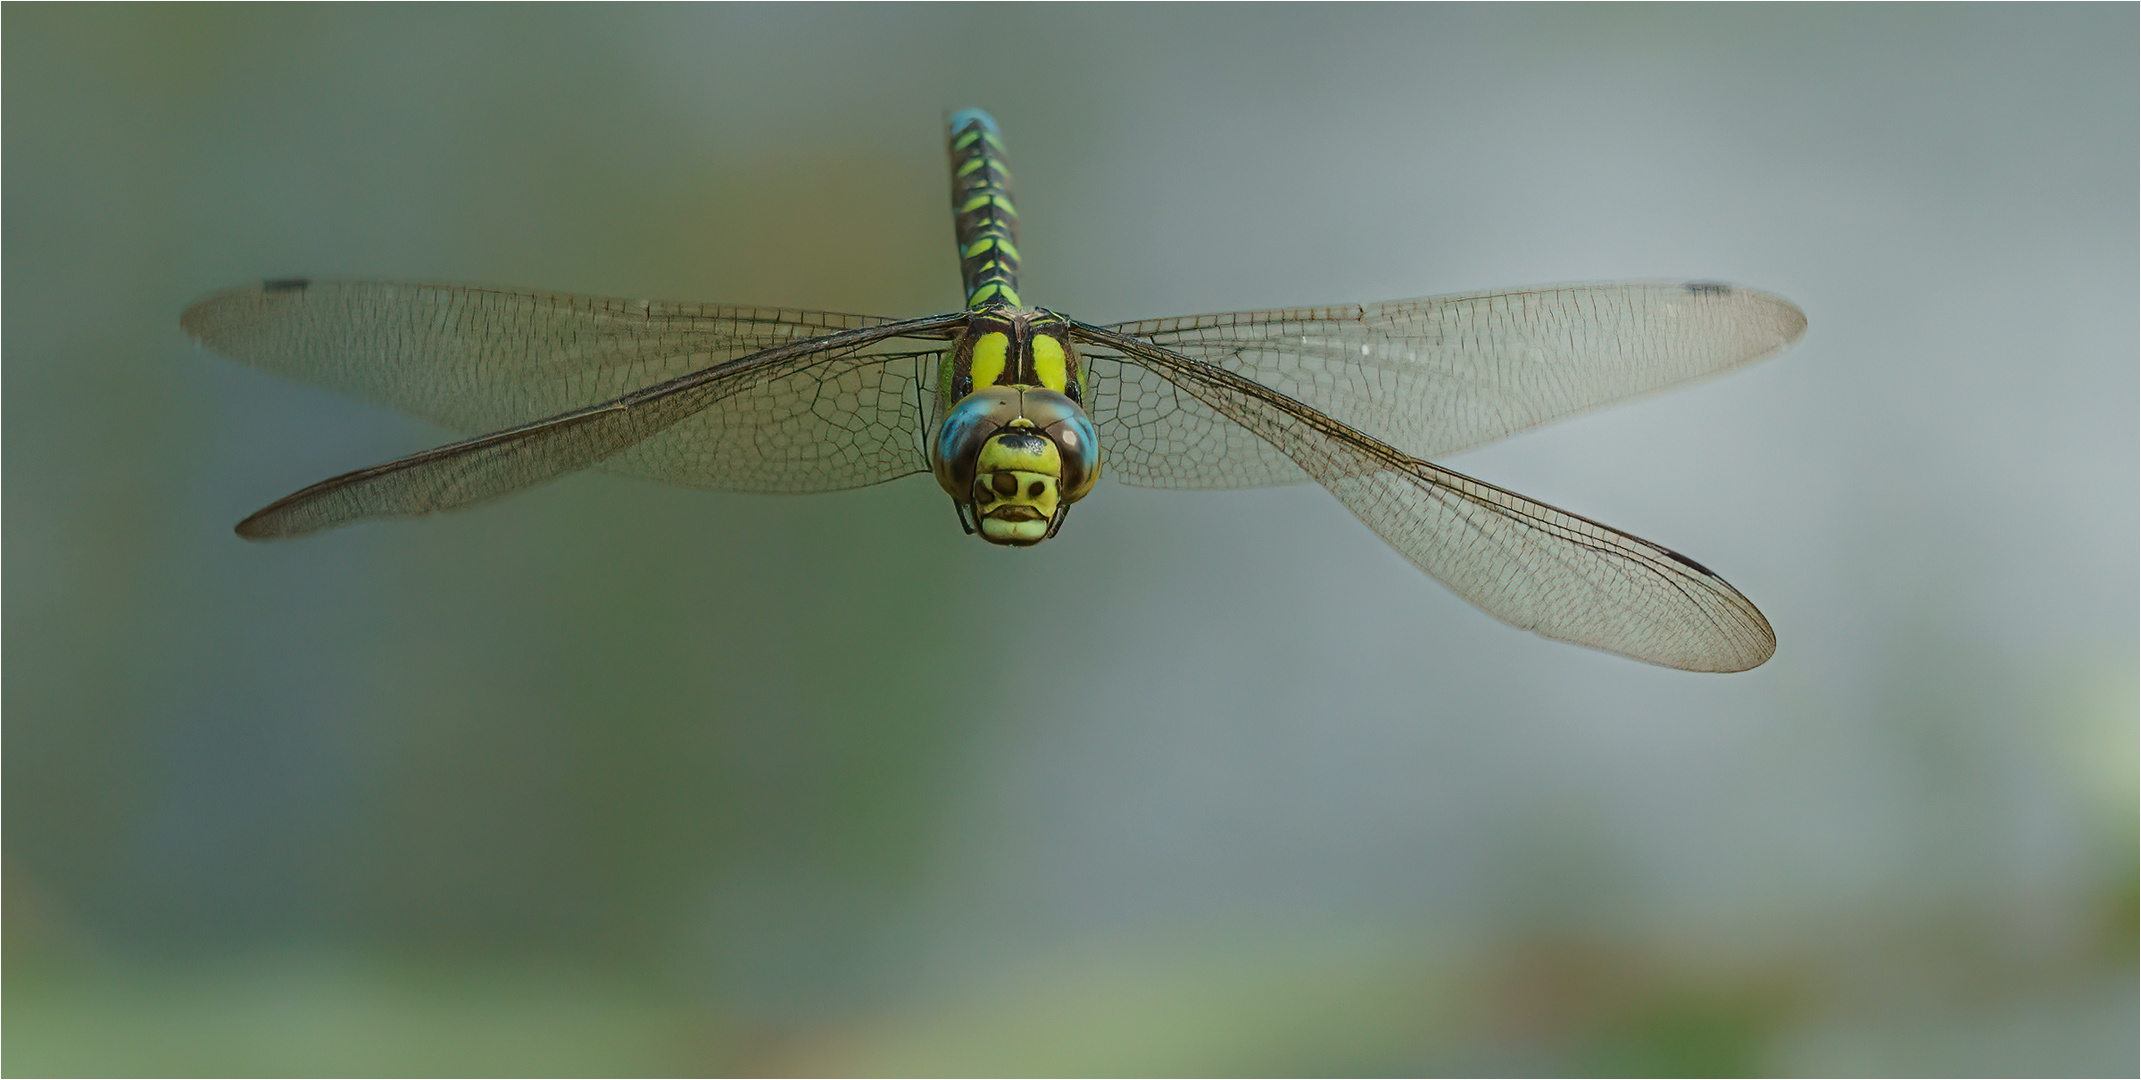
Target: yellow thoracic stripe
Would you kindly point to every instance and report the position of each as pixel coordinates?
(1048, 363)
(990, 352)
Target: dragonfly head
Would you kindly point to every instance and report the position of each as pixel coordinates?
(1013, 459)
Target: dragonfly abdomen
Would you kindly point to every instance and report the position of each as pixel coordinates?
(987, 224)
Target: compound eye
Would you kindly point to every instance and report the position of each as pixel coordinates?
(1080, 443)
(966, 429)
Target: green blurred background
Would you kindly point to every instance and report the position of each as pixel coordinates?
(616, 778)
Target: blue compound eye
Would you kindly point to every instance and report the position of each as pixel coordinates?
(1075, 436)
(966, 429)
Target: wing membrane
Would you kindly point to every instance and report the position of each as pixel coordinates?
(485, 359)
(817, 414)
(1445, 373)
(480, 359)
(1546, 570)
(1155, 433)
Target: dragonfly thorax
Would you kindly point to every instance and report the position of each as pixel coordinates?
(1007, 346)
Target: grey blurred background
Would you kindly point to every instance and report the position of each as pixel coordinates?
(617, 778)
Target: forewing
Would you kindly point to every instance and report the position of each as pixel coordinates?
(1546, 570)
(1445, 373)
(483, 359)
(815, 415)
(478, 359)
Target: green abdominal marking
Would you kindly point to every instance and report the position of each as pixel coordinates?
(983, 218)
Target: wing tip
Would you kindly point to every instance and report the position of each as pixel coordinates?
(218, 311)
(1724, 654)
(1786, 320)
(1742, 661)
(267, 523)
(300, 513)
(200, 317)
(1744, 651)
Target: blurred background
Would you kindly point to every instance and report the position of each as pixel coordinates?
(612, 778)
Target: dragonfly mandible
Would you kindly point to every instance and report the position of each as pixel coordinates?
(1018, 410)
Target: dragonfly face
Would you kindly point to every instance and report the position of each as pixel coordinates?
(1014, 449)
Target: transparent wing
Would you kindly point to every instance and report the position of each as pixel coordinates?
(1155, 433)
(1445, 373)
(480, 359)
(483, 359)
(1533, 566)
(814, 415)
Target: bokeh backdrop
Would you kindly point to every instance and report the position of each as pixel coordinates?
(618, 778)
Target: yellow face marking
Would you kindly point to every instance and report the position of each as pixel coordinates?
(1027, 455)
(1049, 365)
(1015, 491)
(989, 353)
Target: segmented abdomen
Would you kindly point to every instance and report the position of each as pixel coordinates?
(981, 205)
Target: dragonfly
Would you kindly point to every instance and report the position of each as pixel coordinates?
(1017, 410)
